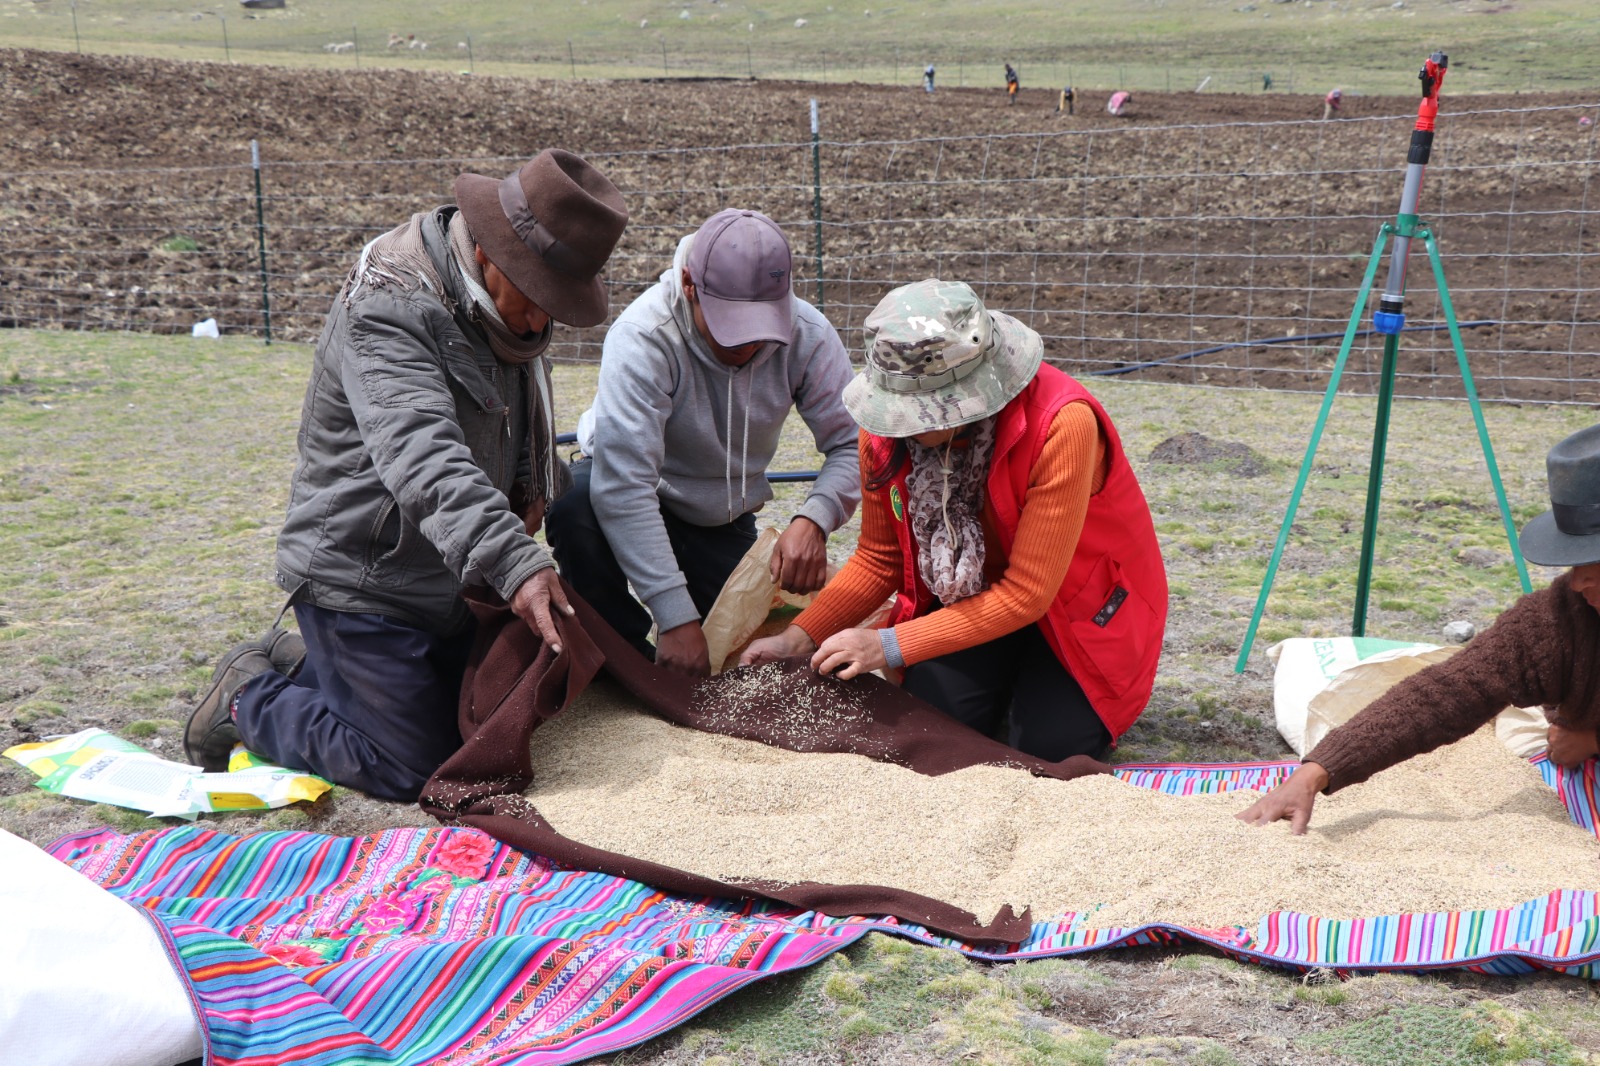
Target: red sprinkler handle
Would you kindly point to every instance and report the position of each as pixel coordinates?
(1432, 77)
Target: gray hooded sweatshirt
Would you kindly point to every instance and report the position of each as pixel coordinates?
(676, 428)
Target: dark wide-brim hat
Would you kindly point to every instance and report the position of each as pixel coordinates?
(1569, 533)
(938, 359)
(549, 227)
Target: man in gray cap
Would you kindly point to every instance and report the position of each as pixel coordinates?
(696, 379)
(426, 458)
(1544, 651)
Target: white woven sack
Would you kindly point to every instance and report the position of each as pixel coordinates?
(85, 978)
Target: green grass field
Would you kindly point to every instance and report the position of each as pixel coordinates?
(1367, 46)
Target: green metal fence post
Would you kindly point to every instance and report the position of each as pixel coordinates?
(261, 240)
(816, 195)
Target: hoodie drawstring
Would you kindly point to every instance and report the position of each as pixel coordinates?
(744, 450)
(727, 469)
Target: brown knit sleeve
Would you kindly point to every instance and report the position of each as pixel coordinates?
(1523, 660)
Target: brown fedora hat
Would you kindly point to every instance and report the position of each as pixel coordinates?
(549, 226)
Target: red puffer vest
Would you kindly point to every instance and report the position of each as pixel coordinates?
(1106, 623)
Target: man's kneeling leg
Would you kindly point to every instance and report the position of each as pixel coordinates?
(373, 708)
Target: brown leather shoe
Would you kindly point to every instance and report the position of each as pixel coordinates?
(209, 737)
(286, 650)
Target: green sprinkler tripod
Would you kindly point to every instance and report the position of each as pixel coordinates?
(1389, 320)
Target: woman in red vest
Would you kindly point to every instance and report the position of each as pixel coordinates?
(1000, 512)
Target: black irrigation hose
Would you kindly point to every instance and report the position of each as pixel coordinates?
(1186, 356)
(776, 479)
(811, 475)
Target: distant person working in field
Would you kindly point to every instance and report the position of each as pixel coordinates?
(696, 379)
(1544, 651)
(1013, 85)
(1331, 102)
(426, 459)
(1002, 514)
(927, 78)
(1065, 103)
(1118, 104)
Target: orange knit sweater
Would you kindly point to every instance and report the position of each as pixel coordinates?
(1071, 467)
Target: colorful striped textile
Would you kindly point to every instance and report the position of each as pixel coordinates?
(445, 946)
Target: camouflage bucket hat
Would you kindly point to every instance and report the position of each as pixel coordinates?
(936, 359)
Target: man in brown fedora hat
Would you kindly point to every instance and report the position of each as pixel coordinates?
(1544, 651)
(426, 458)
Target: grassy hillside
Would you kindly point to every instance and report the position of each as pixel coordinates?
(1307, 45)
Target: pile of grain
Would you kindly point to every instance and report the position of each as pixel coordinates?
(1467, 827)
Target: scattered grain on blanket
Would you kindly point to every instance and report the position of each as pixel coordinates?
(799, 702)
(1467, 827)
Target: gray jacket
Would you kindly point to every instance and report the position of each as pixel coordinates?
(675, 428)
(407, 457)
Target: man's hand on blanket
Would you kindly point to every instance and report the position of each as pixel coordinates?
(534, 600)
(1572, 747)
(1291, 801)
(791, 642)
(683, 648)
(800, 558)
(849, 653)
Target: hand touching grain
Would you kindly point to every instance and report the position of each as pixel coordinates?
(1570, 748)
(1291, 801)
(849, 653)
(791, 642)
(683, 648)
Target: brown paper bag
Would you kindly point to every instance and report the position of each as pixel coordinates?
(744, 603)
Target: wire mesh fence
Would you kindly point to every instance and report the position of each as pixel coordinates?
(1225, 253)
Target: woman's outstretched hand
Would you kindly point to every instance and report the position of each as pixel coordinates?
(1291, 801)
(791, 642)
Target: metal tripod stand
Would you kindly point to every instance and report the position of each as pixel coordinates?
(1389, 320)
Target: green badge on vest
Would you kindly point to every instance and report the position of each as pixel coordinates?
(897, 504)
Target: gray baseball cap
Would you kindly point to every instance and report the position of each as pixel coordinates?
(740, 264)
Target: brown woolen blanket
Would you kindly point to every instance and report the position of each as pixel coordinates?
(514, 682)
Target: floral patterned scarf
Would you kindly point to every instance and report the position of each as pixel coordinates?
(946, 486)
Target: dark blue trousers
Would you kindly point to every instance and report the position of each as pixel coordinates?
(373, 707)
(1013, 689)
(705, 554)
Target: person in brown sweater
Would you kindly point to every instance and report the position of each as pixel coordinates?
(1542, 652)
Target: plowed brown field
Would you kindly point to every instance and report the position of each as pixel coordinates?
(1201, 220)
